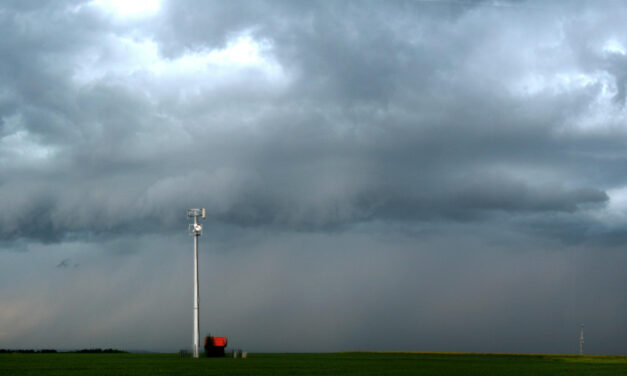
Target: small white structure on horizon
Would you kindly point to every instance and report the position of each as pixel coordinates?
(581, 340)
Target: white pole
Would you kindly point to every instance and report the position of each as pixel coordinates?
(196, 329)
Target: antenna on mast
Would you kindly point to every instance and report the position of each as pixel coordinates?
(195, 229)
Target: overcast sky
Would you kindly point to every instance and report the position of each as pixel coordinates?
(378, 175)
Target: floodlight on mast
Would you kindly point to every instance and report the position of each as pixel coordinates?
(195, 229)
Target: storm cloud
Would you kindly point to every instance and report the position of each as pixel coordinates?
(421, 171)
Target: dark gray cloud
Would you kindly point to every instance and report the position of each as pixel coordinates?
(321, 122)
(396, 111)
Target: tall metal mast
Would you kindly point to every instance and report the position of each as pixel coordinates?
(195, 229)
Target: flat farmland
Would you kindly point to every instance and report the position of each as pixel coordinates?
(353, 363)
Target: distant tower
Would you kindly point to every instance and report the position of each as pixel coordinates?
(195, 229)
(581, 341)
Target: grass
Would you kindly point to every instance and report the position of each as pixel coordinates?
(356, 363)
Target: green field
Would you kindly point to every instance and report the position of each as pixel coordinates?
(357, 363)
